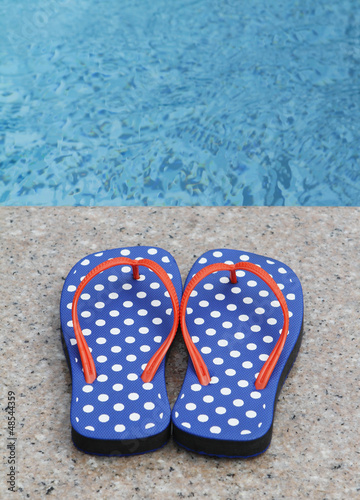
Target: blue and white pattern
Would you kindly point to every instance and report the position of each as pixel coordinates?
(124, 322)
(235, 327)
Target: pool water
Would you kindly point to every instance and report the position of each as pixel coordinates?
(206, 102)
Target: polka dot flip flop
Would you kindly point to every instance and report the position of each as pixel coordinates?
(241, 317)
(119, 314)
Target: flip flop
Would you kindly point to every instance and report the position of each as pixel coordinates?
(241, 316)
(119, 315)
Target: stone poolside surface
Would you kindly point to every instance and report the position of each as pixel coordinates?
(315, 447)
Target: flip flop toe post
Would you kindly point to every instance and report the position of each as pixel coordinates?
(241, 317)
(119, 314)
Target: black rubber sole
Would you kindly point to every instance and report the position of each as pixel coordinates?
(116, 447)
(236, 449)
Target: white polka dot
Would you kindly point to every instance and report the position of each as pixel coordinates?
(71, 288)
(259, 310)
(117, 387)
(199, 321)
(281, 286)
(235, 289)
(251, 347)
(154, 285)
(234, 354)
(268, 339)
(145, 348)
(149, 406)
(100, 322)
(86, 331)
(263, 357)
(272, 321)
(219, 296)
(203, 418)
(217, 254)
(248, 300)
(215, 429)
(114, 313)
(255, 328)
(101, 359)
(189, 310)
(244, 257)
(239, 335)
(116, 348)
(88, 408)
(223, 343)
(88, 427)
(126, 269)
(203, 260)
(230, 372)
(243, 383)
(206, 350)
(114, 331)
(193, 293)
(99, 287)
(127, 286)
(119, 428)
(264, 293)
(238, 402)
(196, 387)
(208, 286)
(215, 314)
(210, 331)
(244, 432)
(70, 323)
(103, 397)
(143, 330)
(116, 368)
(131, 357)
(233, 422)
(152, 251)
(203, 303)
(255, 395)
(282, 270)
(125, 252)
(104, 418)
(130, 340)
(134, 417)
(224, 280)
(247, 364)
(240, 274)
(251, 414)
(208, 399)
(155, 303)
(220, 410)
(227, 324)
(102, 378)
(251, 283)
(231, 307)
(147, 386)
(132, 376)
(87, 388)
(133, 396)
(85, 262)
(290, 296)
(275, 303)
(73, 341)
(243, 317)
(86, 314)
(112, 278)
(225, 391)
(186, 424)
(190, 406)
(142, 312)
(218, 361)
(99, 305)
(157, 339)
(127, 303)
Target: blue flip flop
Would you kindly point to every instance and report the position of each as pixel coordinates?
(119, 315)
(241, 317)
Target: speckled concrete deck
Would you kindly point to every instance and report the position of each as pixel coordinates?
(315, 448)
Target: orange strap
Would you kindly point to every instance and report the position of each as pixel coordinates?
(85, 355)
(198, 362)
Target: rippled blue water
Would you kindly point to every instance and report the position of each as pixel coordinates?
(206, 102)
